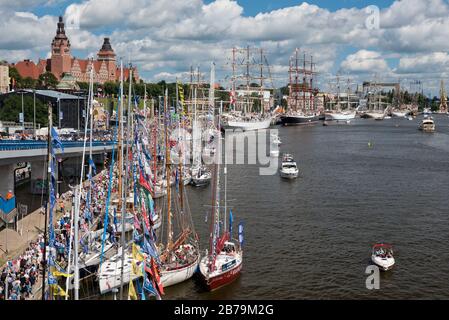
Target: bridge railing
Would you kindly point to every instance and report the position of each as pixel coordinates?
(10, 145)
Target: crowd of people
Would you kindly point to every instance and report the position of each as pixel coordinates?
(18, 276)
(105, 135)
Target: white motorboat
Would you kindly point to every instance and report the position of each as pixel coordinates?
(201, 176)
(289, 169)
(427, 124)
(382, 256)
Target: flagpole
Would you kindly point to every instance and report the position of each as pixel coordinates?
(44, 257)
(78, 193)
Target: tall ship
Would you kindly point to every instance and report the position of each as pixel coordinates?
(379, 103)
(341, 106)
(250, 99)
(301, 107)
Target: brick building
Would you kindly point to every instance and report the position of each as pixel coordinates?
(62, 62)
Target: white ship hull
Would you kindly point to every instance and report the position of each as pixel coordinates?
(249, 125)
(400, 114)
(375, 115)
(172, 277)
(341, 116)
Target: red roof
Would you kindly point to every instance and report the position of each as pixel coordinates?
(27, 68)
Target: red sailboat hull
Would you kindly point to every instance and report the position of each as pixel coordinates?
(223, 278)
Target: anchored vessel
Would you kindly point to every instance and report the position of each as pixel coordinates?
(301, 100)
(223, 261)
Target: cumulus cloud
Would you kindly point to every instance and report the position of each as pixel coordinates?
(364, 61)
(436, 62)
(166, 37)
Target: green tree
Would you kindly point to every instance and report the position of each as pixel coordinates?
(14, 74)
(47, 80)
(12, 106)
(27, 83)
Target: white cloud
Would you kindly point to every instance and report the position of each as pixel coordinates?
(436, 62)
(166, 37)
(365, 61)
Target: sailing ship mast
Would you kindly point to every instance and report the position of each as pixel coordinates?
(47, 213)
(123, 182)
(167, 174)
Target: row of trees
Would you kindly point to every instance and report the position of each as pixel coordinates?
(12, 106)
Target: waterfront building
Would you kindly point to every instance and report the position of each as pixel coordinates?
(62, 62)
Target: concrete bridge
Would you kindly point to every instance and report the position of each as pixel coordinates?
(13, 153)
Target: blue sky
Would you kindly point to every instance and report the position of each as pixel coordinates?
(166, 37)
(252, 7)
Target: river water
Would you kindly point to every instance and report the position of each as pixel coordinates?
(360, 183)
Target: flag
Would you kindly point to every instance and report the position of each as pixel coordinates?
(241, 233)
(62, 274)
(231, 219)
(181, 97)
(136, 269)
(148, 286)
(56, 140)
(57, 290)
(157, 278)
(92, 164)
(132, 292)
(137, 255)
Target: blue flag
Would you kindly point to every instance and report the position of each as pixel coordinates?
(92, 164)
(231, 219)
(56, 140)
(148, 286)
(241, 233)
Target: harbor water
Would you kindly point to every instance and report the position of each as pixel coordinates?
(360, 183)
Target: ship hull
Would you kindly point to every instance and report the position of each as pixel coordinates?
(341, 116)
(223, 279)
(289, 120)
(172, 277)
(248, 125)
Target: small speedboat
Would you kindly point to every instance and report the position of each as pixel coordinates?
(289, 169)
(382, 256)
(427, 124)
